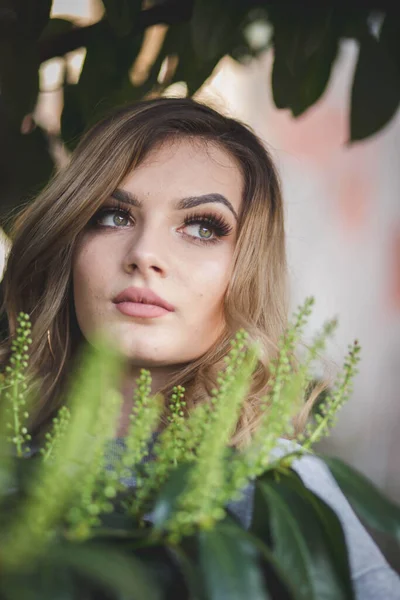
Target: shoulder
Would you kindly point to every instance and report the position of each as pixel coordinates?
(372, 576)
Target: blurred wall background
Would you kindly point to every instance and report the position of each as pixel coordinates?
(343, 239)
(343, 230)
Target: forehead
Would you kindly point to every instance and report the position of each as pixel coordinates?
(180, 168)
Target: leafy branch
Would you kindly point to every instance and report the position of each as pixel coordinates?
(185, 476)
(166, 13)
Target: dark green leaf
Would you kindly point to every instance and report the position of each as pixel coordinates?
(299, 540)
(167, 500)
(104, 80)
(389, 36)
(305, 47)
(19, 77)
(36, 13)
(104, 83)
(274, 577)
(118, 521)
(229, 565)
(103, 71)
(191, 69)
(24, 18)
(331, 525)
(7, 480)
(25, 167)
(165, 569)
(375, 95)
(55, 27)
(190, 572)
(105, 565)
(371, 505)
(72, 120)
(122, 14)
(215, 25)
(333, 533)
(41, 583)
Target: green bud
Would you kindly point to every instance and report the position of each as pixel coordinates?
(93, 509)
(110, 492)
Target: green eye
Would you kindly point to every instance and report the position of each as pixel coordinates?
(120, 219)
(113, 218)
(208, 234)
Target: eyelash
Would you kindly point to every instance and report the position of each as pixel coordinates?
(219, 226)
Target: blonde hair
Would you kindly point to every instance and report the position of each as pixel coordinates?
(38, 280)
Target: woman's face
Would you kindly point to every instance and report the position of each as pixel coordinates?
(156, 233)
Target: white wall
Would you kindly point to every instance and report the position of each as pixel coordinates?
(343, 239)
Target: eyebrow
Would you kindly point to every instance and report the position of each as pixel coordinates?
(184, 203)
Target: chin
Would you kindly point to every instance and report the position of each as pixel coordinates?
(143, 350)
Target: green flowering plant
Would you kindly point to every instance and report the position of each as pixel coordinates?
(154, 517)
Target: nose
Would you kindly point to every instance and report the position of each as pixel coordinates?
(146, 252)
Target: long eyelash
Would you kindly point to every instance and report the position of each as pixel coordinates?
(218, 224)
(115, 207)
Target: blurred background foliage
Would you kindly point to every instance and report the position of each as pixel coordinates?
(198, 33)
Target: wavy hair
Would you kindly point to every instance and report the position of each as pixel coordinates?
(38, 279)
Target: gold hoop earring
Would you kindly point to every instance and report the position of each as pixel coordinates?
(49, 342)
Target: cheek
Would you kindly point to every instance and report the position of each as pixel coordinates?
(90, 273)
(90, 264)
(210, 281)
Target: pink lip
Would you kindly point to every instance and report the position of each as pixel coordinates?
(136, 309)
(141, 302)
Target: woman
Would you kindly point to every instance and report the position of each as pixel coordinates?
(166, 232)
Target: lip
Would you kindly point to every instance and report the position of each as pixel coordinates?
(144, 311)
(141, 302)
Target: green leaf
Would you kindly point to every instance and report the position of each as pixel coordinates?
(229, 565)
(188, 567)
(192, 68)
(215, 27)
(331, 525)
(390, 36)
(163, 567)
(333, 532)
(370, 504)
(95, 373)
(104, 81)
(25, 18)
(25, 167)
(72, 120)
(178, 42)
(305, 47)
(7, 478)
(44, 582)
(122, 14)
(19, 77)
(55, 27)
(105, 565)
(375, 94)
(301, 543)
(167, 499)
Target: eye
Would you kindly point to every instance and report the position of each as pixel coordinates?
(209, 228)
(205, 232)
(113, 217)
